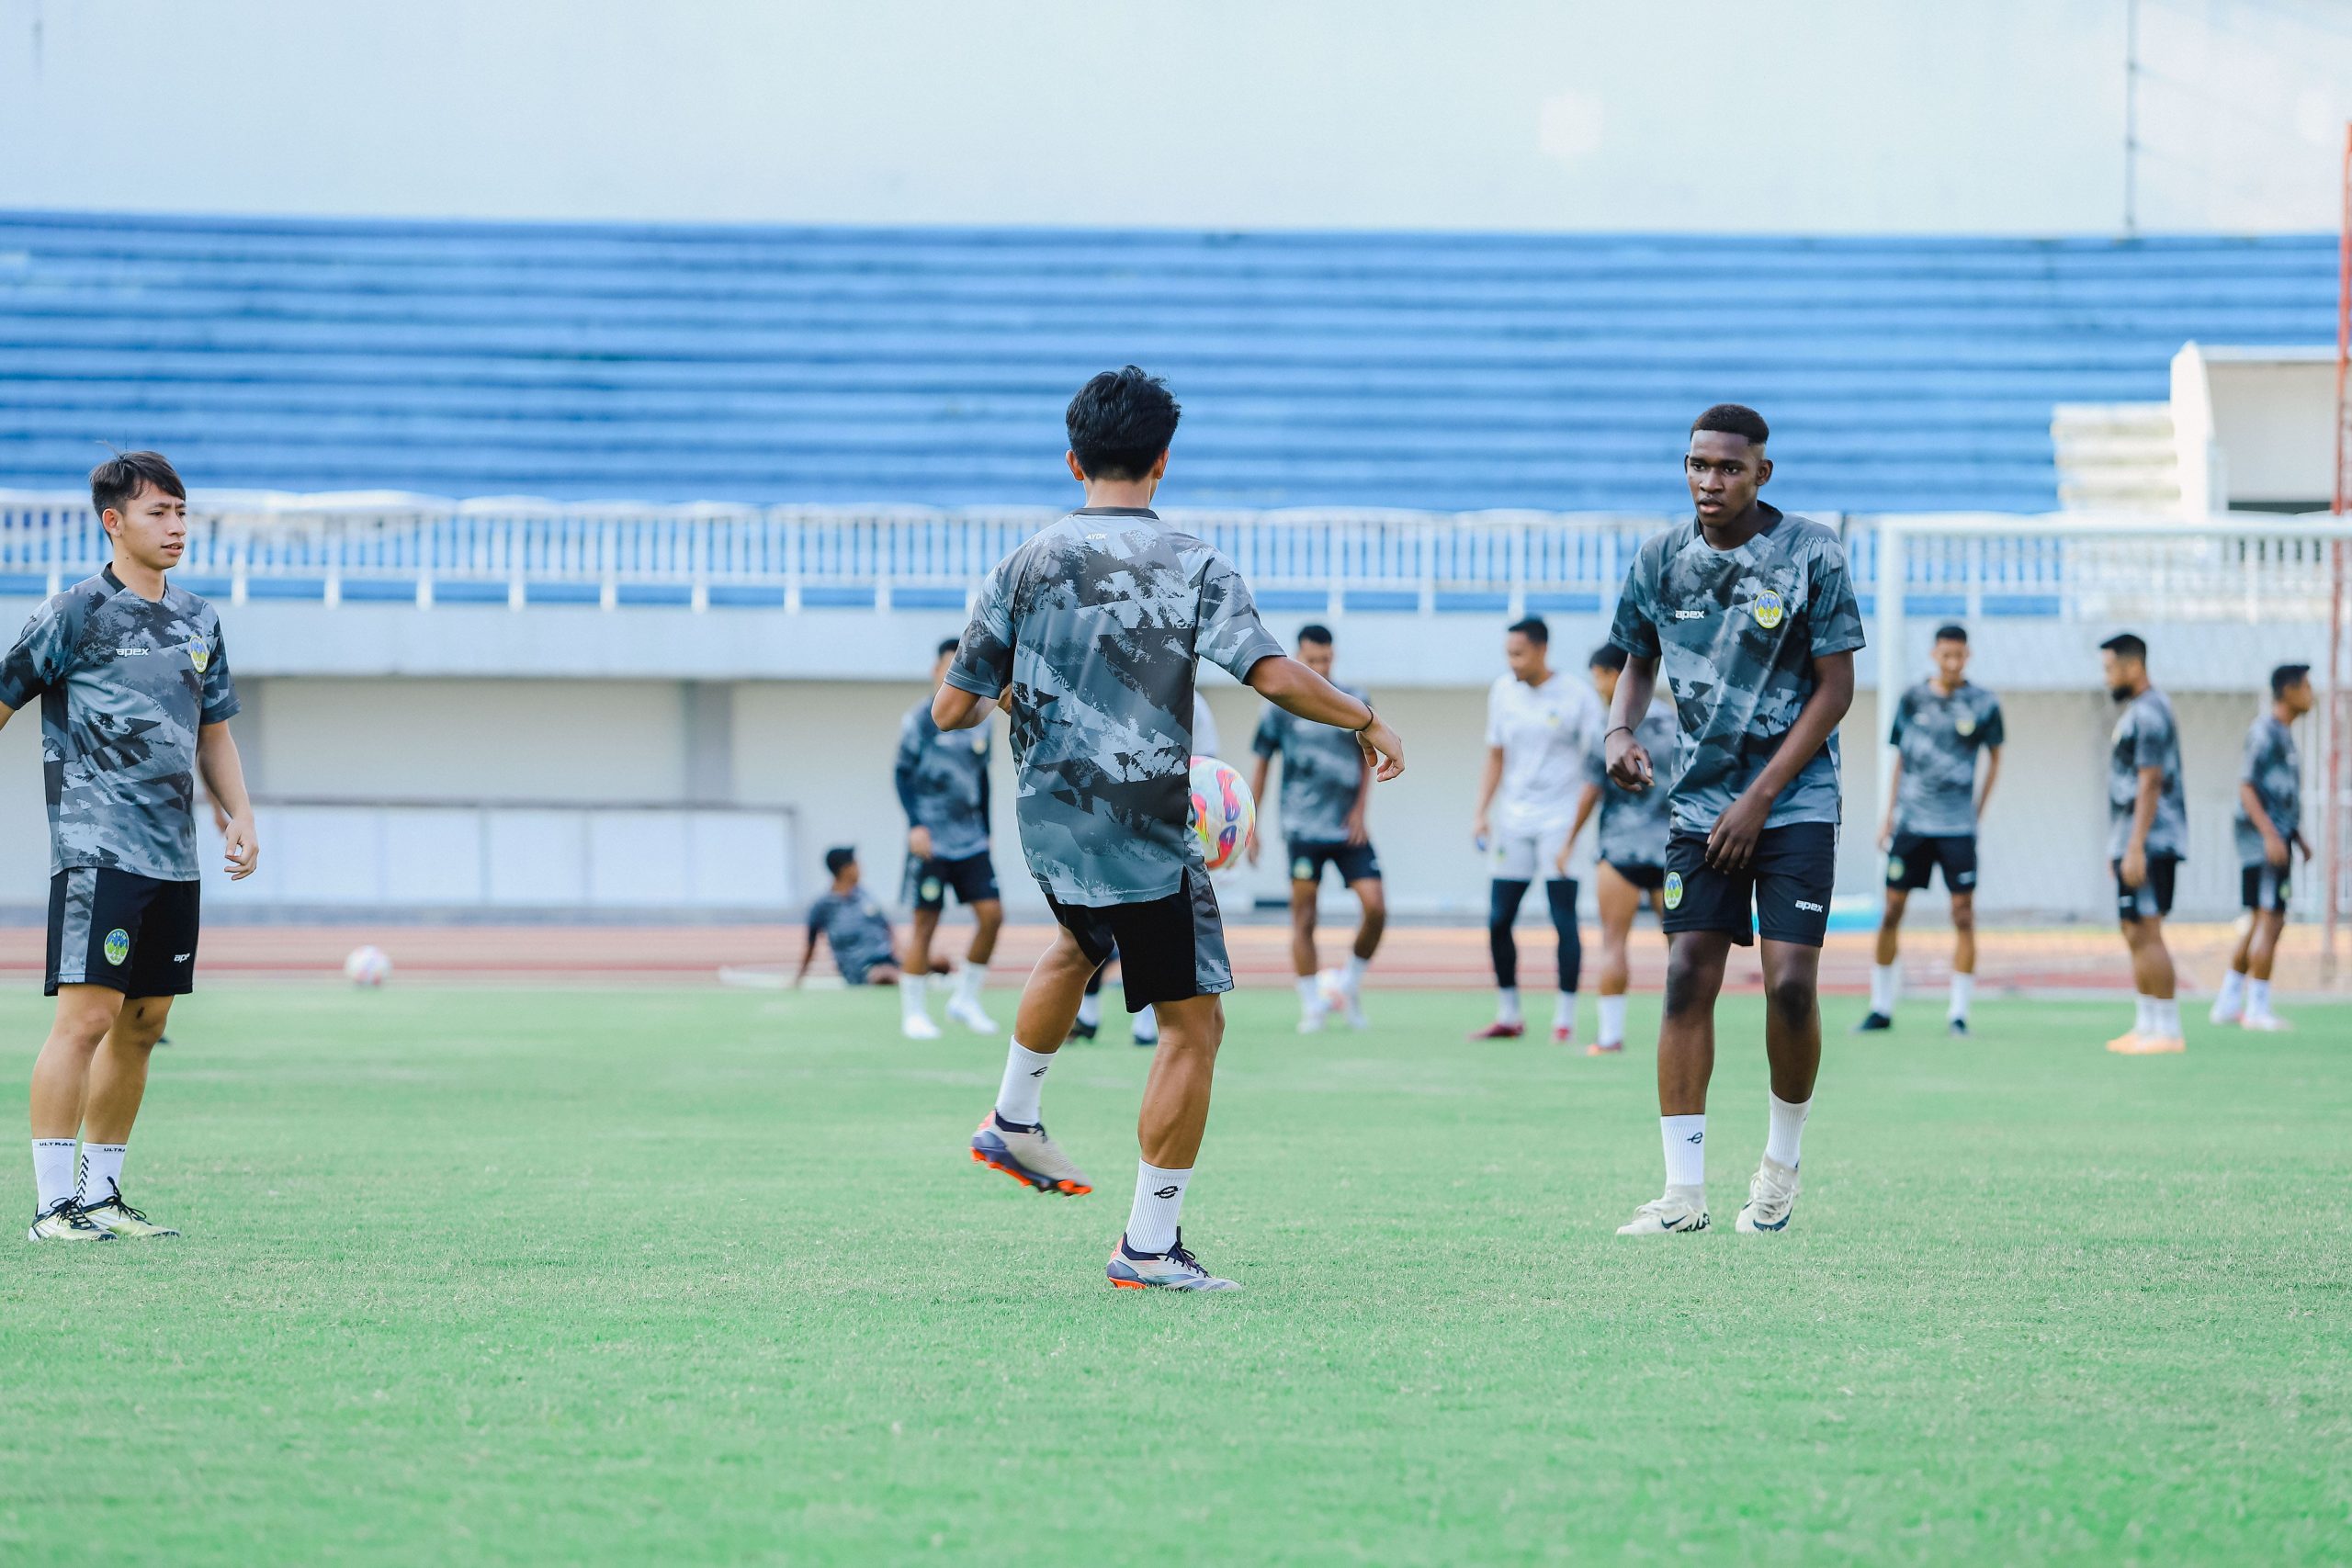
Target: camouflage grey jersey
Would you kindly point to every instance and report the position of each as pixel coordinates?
(125, 684)
(1322, 772)
(942, 780)
(2275, 768)
(854, 927)
(1736, 632)
(1635, 823)
(1095, 624)
(2147, 737)
(1937, 737)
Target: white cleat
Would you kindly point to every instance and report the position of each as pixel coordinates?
(2265, 1023)
(1311, 1020)
(1771, 1199)
(918, 1026)
(1682, 1212)
(969, 1015)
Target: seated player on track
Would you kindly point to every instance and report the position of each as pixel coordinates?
(943, 783)
(2269, 828)
(1633, 830)
(1941, 727)
(1094, 626)
(853, 925)
(2147, 840)
(1752, 615)
(1326, 790)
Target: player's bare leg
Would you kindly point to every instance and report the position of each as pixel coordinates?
(1372, 923)
(1886, 970)
(1012, 1137)
(61, 1082)
(1963, 961)
(1619, 901)
(2157, 1028)
(964, 1002)
(1792, 1047)
(1685, 1060)
(1312, 1007)
(1175, 1117)
(118, 1084)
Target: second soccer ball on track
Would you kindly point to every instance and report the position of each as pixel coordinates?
(1223, 812)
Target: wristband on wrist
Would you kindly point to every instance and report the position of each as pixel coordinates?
(1371, 716)
(1613, 729)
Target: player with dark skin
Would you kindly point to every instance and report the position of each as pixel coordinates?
(1725, 473)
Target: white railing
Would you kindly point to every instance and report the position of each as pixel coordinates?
(399, 548)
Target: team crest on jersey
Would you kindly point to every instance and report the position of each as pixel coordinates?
(117, 946)
(1769, 609)
(1964, 725)
(1674, 890)
(199, 656)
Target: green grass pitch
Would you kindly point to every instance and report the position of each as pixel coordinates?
(634, 1278)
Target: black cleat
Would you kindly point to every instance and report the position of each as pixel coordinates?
(1082, 1029)
(1957, 1028)
(1872, 1023)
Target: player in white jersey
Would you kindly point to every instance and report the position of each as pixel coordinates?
(1540, 724)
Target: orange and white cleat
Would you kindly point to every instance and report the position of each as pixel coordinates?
(1174, 1270)
(2138, 1044)
(1028, 1156)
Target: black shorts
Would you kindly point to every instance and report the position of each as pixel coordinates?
(973, 878)
(2264, 889)
(1786, 889)
(1916, 857)
(1356, 862)
(1171, 950)
(1642, 876)
(132, 933)
(2152, 897)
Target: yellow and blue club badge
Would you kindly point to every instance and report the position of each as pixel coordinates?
(1964, 725)
(1674, 890)
(199, 656)
(1769, 609)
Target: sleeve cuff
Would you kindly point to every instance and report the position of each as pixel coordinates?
(220, 715)
(973, 683)
(1838, 645)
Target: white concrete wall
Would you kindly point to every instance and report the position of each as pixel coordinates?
(1835, 115)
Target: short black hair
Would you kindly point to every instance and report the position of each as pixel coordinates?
(2127, 645)
(1734, 418)
(1315, 632)
(1120, 423)
(116, 481)
(839, 856)
(1951, 631)
(2286, 677)
(948, 646)
(1533, 629)
(1608, 656)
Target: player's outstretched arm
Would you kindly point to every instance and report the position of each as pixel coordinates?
(1733, 841)
(1293, 687)
(224, 775)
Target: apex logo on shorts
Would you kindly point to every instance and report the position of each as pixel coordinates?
(1808, 907)
(117, 947)
(1674, 890)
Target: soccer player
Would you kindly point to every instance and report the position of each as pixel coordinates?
(852, 924)
(135, 702)
(2269, 828)
(1327, 789)
(1539, 725)
(1633, 830)
(1941, 727)
(1094, 626)
(942, 782)
(2147, 839)
(1752, 613)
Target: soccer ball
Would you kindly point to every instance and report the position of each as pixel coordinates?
(368, 967)
(1223, 813)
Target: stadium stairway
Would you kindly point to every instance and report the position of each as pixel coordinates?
(1449, 371)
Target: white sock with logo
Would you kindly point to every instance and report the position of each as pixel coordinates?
(52, 1170)
(1563, 1011)
(1506, 1005)
(2233, 995)
(1963, 991)
(1090, 1011)
(1886, 987)
(2257, 998)
(968, 981)
(1612, 1020)
(1160, 1207)
(1785, 1135)
(911, 995)
(1351, 974)
(1023, 1086)
(1686, 1149)
(1310, 995)
(101, 1171)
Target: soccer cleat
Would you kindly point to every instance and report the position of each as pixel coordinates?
(1598, 1049)
(1771, 1199)
(1498, 1030)
(1081, 1029)
(64, 1221)
(1146, 1027)
(2225, 1012)
(1872, 1023)
(918, 1026)
(2265, 1023)
(117, 1218)
(1957, 1028)
(1311, 1020)
(969, 1015)
(1028, 1156)
(2137, 1044)
(1563, 1032)
(1682, 1212)
(1351, 1009)
(1174, 1270)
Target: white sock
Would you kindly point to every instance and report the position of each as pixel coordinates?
(2234, 992)
(2144, 1021)
(2167, 1019)
(1310, 995)
(1963, 991)
(52, 1170)
(1563, 1011)
(1506, 1005)
(1090, 1011)
(1023, 1086)
(1146, 1027)
(1886, 987)
(968, 981)
(1783, 1139)
(911, 995)
(101, 1171)
(1159, 1205)
(1351, 974)
(2257, 998)
(1612, 1020)
(1686, 1149)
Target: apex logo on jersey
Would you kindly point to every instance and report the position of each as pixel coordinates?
(117, 946)
(1769, 609)
(1674, 890)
